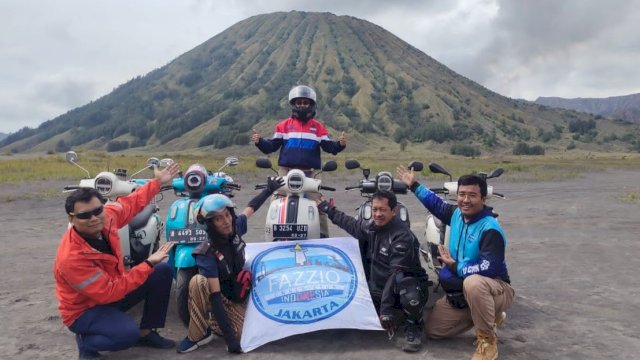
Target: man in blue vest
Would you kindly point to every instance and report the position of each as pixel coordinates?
(474, 273)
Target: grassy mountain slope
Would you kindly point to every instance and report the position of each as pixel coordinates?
(369, 83)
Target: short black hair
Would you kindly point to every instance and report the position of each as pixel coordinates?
(474, 180)
(82, 194)
(386, 194)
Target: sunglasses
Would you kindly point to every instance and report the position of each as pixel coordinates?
(85, 215)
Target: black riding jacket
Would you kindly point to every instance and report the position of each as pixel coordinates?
(385, 252)
(228, 255)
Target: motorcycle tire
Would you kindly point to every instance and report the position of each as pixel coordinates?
(182, 292)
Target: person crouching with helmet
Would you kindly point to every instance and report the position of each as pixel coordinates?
(218, 293)
(300, 138)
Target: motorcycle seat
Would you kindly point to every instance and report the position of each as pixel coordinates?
(143, 216)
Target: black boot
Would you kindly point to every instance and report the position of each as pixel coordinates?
(412, 337)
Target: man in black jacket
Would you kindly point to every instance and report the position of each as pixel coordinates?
(391, 263)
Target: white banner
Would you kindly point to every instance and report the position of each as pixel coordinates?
(305, 286)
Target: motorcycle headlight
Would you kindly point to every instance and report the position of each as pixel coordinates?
(104, 185)
(404, 215)
(385, 181)
(295, 182)
(194, 181)
(366, 212)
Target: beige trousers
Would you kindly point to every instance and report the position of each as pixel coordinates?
(200, 311)
(486, 298)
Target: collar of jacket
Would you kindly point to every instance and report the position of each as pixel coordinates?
(486, 211)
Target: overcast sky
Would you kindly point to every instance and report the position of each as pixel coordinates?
(58, 55)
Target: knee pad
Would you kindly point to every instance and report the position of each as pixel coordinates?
(413, 297)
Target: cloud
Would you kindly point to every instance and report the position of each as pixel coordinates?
(58, 55)
(553, 48)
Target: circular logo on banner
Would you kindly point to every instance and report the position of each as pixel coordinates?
(302, 284)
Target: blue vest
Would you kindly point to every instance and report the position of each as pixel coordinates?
(464, 239)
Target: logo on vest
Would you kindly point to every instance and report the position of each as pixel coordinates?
(297, 284)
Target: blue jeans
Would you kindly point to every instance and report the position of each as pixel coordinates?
(109, 328)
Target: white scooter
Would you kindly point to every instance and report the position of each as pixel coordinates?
(141, 237)
(291, 215)
(436, 232)
(383, 181)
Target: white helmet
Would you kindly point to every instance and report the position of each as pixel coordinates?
(302, 92)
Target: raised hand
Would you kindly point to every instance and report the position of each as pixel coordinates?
(274, 183)
(255, 136)
(167, 174)
(408, 177)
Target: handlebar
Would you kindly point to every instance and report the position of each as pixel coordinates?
(71, 187)
(232, 186)
(499, 195)
(322, 187)
(352, 187)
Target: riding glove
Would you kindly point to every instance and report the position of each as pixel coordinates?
(273, 184)
(387, 322)
(325, 207)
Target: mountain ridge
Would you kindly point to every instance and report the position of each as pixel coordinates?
(625, 107)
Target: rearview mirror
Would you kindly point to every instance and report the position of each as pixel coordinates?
(416, 166)
(166, 162)
(263, 163)
(351, 164)
(330, 165)
(231, 161)
(71, 156)
(153, 162)
(495, 173)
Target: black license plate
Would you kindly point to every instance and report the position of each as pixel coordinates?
(187, 236)
(290, 231)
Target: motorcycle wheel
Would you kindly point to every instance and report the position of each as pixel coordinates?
(182, 293)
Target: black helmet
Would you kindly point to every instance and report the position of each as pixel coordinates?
(304, 92)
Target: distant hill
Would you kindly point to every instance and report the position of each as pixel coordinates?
(3, 135)
(380, 90)
(616, 107)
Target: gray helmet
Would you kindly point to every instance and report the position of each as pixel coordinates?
(305, 92)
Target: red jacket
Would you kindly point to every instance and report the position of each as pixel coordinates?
(300, 143)
(86, 277)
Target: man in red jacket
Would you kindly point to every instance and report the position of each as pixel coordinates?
(92, 286)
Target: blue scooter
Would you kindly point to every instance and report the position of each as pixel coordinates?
(182, 228)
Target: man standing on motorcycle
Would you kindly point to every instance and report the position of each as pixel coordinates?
(474, 274)
(391, 263)
(92, 286)
(218, 293)
(300, 138)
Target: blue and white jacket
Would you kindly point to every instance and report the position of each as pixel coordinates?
(300, 144)
(478, 246)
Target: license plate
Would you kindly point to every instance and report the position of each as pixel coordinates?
(290, 231)
(187, 236)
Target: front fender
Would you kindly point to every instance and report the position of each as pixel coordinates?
(182, 256)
